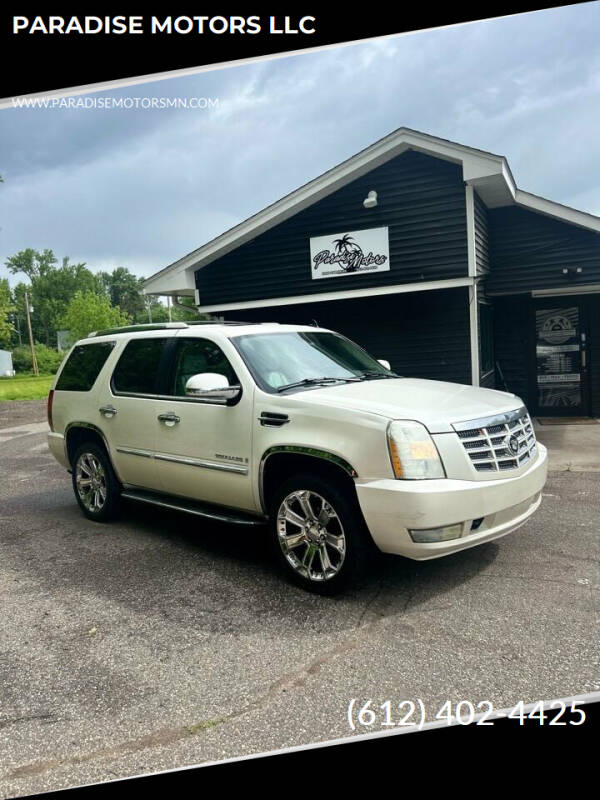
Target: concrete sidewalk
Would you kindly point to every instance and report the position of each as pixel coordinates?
(571, 447)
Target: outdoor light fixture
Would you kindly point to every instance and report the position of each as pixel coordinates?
(370, 200)
(570, 272)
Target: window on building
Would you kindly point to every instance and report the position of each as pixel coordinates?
(486, 338)
(83, 366)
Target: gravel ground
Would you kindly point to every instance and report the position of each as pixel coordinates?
(159, 641)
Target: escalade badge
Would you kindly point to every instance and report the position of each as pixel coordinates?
(513, 444)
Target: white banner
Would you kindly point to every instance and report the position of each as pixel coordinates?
(350, 253)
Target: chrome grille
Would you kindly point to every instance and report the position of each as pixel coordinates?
(490, 445)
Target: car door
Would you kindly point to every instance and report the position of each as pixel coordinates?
(128, 409)
(203, 447)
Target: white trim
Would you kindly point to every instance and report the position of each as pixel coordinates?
(470, 207)
(320, 297)
(474, 331)
(557, 210)
(591, 288)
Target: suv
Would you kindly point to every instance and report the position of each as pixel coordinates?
(296, 427)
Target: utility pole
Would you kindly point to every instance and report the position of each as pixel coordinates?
(169, 306)
(34, 363)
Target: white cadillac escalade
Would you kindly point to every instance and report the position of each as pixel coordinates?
(298, 428)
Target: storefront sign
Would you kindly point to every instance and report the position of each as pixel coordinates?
(350, 253)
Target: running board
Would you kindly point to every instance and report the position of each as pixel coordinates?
(193, 507)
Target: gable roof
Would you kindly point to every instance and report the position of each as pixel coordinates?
(488, 173)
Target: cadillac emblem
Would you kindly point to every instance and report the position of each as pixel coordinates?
(512, 444)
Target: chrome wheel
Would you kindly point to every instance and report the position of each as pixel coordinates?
(311, 535)
(90, 479)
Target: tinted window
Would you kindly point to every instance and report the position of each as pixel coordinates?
(194, 356)
(137, 369)
(83, 366)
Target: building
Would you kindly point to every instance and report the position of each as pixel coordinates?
(426, 253)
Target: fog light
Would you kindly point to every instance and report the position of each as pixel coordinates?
(437, 534)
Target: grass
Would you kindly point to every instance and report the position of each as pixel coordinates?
(29, 387)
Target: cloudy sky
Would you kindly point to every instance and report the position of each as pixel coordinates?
(141, 188)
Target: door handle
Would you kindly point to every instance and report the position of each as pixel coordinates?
(108, 411)
(170, 418)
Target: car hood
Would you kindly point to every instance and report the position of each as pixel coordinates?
(437, 404)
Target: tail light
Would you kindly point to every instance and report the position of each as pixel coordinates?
(49, 408)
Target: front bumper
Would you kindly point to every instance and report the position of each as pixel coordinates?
(392, 507)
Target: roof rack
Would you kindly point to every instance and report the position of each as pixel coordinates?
(226, 322)
(159, 326)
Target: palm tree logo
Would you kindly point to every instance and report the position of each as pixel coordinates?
(350, 253)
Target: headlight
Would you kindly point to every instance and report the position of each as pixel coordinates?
(413, 452)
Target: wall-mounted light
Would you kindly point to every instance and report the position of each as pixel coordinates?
(370, 200)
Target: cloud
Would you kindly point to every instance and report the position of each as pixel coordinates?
(140, 188)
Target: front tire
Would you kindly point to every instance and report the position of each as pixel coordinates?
(95, 484)
(318, 534)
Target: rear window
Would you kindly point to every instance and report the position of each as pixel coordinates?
(137, 369)
(83, 366)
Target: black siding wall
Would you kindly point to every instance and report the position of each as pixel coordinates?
(529, 250)
(481, 236)
(422, 334)
(512, 335)
(594, 351)
(422, 201)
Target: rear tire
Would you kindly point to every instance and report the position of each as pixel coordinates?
(95, 484)
(318, 534)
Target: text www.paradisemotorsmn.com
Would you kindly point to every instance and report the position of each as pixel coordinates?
(104, 103)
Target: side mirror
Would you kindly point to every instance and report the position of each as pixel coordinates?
(384, 363)
(211, 386)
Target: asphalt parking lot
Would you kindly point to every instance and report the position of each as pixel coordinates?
(161, 641)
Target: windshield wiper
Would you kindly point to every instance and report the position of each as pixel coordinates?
(373, 373)
(312, 382)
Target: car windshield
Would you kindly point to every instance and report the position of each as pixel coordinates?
(296, 359)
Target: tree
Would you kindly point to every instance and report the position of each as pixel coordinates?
(185, 309)
(51, 289)
(182, 310)
(31, 262)
(89, 311)
(6, 308)
(124, 290)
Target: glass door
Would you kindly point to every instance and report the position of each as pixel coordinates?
(560, 359)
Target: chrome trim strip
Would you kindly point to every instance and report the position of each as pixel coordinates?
(486, 422)
(196, 462)
(173, 398)
(190, 462)
(131, 451)
(299, 450)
